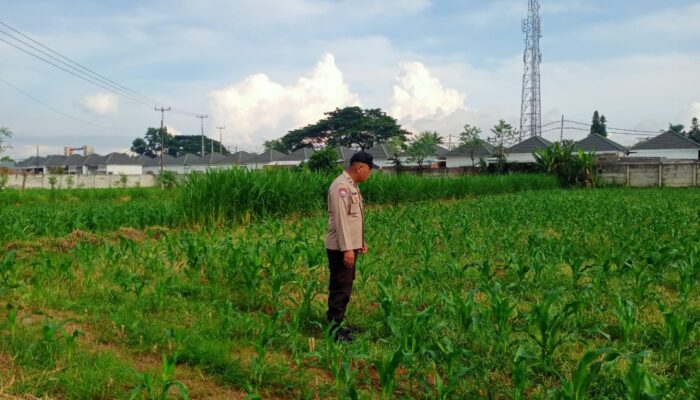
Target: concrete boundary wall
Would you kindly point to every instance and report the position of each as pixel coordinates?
(652, 173)
(19, 181)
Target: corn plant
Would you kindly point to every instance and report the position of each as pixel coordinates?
(8, 271)
(501, 312)
(588, 368)
(386, 369)
(449, 356)
(548, 326)
(303, 310)
(679, 328)
(639, 384)
(626, 317)
(521, 370)
(158, 388)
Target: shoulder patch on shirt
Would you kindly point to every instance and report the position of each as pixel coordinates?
(343, 192)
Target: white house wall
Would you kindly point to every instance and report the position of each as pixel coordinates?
(693, 154)
(521, 157)
(124, 169)
(455, 162)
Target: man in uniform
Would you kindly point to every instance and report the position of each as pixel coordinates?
(345, 238)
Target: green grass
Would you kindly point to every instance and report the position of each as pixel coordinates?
(522, 294)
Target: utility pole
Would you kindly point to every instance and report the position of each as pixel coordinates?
(561, 132)
(201, 118)
(162, 142)
(221, 143)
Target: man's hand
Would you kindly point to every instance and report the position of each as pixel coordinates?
(349, 258)
(364, 249)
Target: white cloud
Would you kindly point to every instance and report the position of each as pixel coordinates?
(418, 94)
(259, 109)
(101, 103)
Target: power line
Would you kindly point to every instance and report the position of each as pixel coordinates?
(75, 74)
(51, 108)
(83, 72)
(80, 68)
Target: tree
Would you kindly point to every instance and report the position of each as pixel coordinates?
(424, 146)
(469, 135)
(694, 132)
(503, 136)
(5, 133)
(325, 160)
(150, 144)
(275, 144)
(603, 126)
(175, 146)
(678, 128)
(598, 124)
(349, 126)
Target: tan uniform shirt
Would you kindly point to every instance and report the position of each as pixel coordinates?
(345, 215)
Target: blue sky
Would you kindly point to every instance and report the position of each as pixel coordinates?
(262, 67)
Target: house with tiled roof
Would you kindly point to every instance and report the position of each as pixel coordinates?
(598, 144)
(522, 152)
(267, 158)
(296, 157)
(669, 145)
(469, 155)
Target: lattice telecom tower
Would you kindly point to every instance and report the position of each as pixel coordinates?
(531, 106)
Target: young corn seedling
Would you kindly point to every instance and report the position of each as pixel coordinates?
(8, 272)
(521, 370)
(449, 356)
(386, 369)
(548, 326)
(158, 388)
(638, 382)
(588, 368)
(626, 317)
(678, 331)
(303, 310)
(501, 313)
(687, 275)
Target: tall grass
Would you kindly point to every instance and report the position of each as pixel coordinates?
(237, 195)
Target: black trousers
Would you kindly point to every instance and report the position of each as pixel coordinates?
(340, 286)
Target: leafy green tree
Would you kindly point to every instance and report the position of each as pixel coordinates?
(694, 132)
(504, 135)
(175, 146)
(424, 146)
(325, 160)
(469, 135)
(677, 128)
(275, 144)
(5, 133)
(150, 144)
(349, 126)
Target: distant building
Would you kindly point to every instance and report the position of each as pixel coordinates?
(469, 155)
(595, 143)
(669, 145)
(522, 152)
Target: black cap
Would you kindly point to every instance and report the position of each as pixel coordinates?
(363, 157)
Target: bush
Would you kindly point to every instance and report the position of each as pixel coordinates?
(325, 160)
(572, 169)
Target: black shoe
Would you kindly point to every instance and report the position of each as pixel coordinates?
(342, 335)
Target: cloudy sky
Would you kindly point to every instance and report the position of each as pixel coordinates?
(263, 67)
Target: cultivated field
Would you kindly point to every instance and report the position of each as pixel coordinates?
(571, 294)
